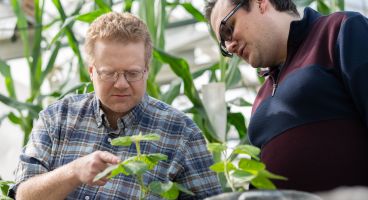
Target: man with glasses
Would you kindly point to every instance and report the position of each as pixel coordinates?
(70, 143)
(310, 117)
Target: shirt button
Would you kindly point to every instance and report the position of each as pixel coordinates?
(109, 140)
(86, 197)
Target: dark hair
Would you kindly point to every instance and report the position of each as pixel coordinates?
(279, 5)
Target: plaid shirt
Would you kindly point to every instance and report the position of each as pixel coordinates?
(76, 126)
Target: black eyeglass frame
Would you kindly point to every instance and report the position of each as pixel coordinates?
(222, 26)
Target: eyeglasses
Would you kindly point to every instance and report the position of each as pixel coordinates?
(226, 31)
(112, 77)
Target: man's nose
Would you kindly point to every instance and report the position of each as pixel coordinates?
(231, 46)
(121, 82)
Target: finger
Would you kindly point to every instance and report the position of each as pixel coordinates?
(99, 183)
(108, 157)
(105, 179)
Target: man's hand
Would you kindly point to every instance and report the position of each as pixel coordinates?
(87, 167)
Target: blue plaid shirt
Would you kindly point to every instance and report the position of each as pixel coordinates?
(76, 126)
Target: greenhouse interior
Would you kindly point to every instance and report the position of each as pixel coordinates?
(220, 120)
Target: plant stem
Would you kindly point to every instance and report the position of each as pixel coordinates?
(227, 175)
(140, 177)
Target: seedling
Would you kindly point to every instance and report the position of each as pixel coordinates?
(140, 164)
(243, 171)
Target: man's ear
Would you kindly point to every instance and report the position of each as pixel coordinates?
(90, 71)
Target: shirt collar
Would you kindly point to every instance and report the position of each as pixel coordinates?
(299, 29)
(132, 117)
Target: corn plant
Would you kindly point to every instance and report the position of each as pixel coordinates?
(248, 169)
(140, 164)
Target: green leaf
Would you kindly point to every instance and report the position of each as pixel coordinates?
(135, 167)
(220, 166)
(340, 4)
(270, 175)
(248, 164)
(117, 171)
(216, 147)
(303, 3)
(103, 5)
(241, 176)
(127, 6)
(73, 43)
(23, 28)
(76, 89)
(183, 189)
(241, 102)
(147, 137)
(322, 7)
(155, 157)
(194, 12)
(91, 16)
(233, 74)
(263, 183)
(166, 190)
(181, 69)
(51, 62)
(152, 159)
(5, 71)
(247, 149)
(238, 121)
(122, 141)
(4, 186)
(106, 172)
(33, 109)
(13, 118)
(172, 93)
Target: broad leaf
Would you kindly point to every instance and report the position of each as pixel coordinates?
(241, 176)
(147, 137)
(183, 189)
(263, 183)
(247, 164)
(270, 175)
(152, 159)
(9, 83)
(122, 141)
(216, 147)
(135, 167)
(247, 149)
(220, 166)
(166, 190)
(238, 121)
(106, 172)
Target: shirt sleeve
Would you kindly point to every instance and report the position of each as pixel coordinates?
(35, 156)
(352, 51)
(196, 175)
